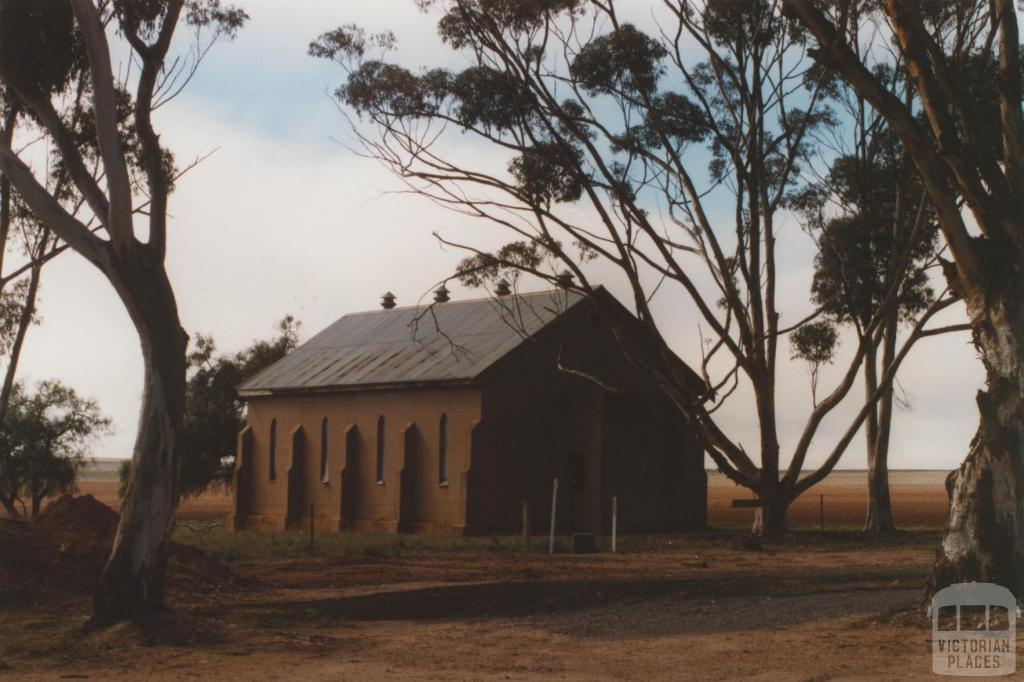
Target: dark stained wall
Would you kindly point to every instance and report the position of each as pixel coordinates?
(601, 428)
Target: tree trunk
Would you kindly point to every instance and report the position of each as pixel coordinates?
(132, 583)
(984, 537)
(879, 516)
(8, 505)
(770, 518)
(28, 311)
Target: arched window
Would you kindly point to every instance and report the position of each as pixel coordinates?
(380, 449)
(273, 449)
(442, 450)
(323, 451)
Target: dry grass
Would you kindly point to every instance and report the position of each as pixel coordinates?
(919, 501)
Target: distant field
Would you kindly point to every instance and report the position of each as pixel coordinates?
(919, 500)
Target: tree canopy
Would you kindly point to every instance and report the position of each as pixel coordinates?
(44, 440)
(673, 154)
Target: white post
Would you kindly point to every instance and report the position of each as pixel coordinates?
(554, 505)
(615, 518)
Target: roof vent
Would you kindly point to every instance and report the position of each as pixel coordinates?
(564, 279)
(441, 294)
(387, 301)
(503, 288)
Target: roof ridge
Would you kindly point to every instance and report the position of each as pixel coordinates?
(354, 351)
(455, 302)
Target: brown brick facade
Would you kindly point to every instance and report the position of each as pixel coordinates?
(567, 406)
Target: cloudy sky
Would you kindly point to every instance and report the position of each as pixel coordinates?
(283, 218)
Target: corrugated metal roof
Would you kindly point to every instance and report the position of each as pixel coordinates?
(453, 341)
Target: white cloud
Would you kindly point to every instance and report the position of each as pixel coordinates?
(282, 219)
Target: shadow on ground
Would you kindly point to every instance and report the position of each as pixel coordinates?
(619, 608)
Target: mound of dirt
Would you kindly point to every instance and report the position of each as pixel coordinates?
(82, 522)
(67, 545)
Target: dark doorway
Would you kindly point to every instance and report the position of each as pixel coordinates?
(297, 486)
(575, 484)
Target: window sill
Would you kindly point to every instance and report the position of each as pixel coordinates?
(379, 483)
(443, 484)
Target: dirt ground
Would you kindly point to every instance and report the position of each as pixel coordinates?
(813, 606)
(810, 609)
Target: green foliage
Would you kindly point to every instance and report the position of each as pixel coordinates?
(484, 269)
(461, 23)
(851, 270)
(145, 17)
(12, 302)
(123, 469)
(86, 141)
(385, 88)
(880, 195)
(678, 118)
(43, 442)
(747, 24)
(814, 342)
(488, 98)
(549, 171)
(39, 44)
(349, 41)
(214, 414)
(626, 60)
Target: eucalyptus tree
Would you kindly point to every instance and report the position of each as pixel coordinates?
(966, 138)
(624, 146)
(214, 414)
(41, 42)
(868, 210)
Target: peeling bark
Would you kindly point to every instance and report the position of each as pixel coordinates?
(132, 583)
(770, 518)
(984, 537)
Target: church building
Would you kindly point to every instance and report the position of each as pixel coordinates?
(456, 417)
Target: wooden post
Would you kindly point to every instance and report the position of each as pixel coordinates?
(311, 525)
(821, 512)
(526, 521)
(554, 506)
(615, 518)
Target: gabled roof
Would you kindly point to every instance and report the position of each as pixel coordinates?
(453, 342)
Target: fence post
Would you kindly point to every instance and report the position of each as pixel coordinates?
(615, 518)
(554, 506)
(821, 512)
